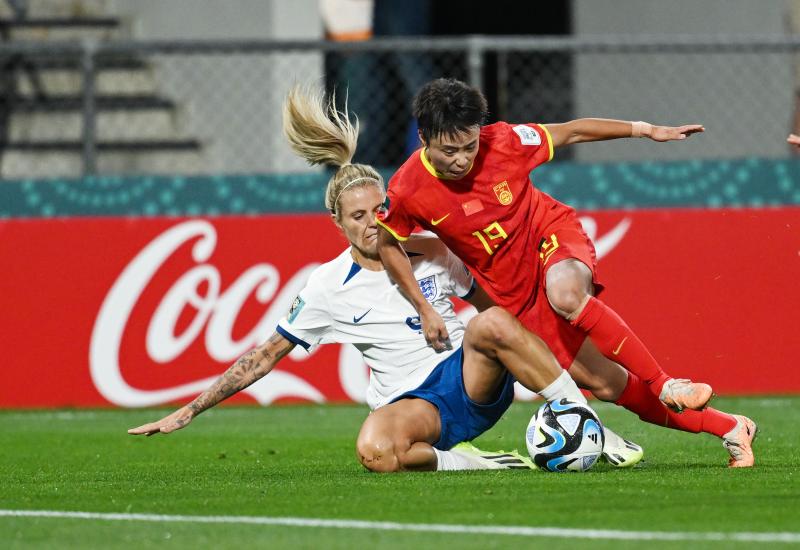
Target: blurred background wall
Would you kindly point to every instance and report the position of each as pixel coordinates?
(145, 138)
(743, 97)
(195, 87)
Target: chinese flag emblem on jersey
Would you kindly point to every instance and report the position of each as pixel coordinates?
(503, 192)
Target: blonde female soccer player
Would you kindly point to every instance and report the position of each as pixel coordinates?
(424, 404)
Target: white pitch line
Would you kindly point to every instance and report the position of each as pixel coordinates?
(521, 531)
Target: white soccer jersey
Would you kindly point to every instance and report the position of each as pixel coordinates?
(343, 303)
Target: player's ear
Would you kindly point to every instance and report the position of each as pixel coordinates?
(421, 138)
(336, 222)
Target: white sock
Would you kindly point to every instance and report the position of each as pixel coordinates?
(561, 387)
(453, 460)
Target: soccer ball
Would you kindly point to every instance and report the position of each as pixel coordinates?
(564, 435)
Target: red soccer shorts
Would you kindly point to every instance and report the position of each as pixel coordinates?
(562, 240)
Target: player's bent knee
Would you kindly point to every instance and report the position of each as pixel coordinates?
(377, 455)
(566, 298)
(568, 285)
(495, 327)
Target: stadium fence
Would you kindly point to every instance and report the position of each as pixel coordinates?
(200, 108)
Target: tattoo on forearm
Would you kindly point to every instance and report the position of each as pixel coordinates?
(247, 369)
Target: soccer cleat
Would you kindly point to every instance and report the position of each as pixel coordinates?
(739, 442)
(500, 460)
(620, 452)
(680, 393)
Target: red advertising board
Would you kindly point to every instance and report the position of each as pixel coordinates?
(144, 311)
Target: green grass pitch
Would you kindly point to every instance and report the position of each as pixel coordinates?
(299, 461)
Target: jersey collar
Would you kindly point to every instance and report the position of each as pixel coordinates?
(355, 268)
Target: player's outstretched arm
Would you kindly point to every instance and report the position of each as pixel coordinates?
(398, 266)
(598, 129)
(250, 367)
(793, 139)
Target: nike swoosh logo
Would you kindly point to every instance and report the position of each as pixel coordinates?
(440, 220)
(357, 320)
(619, 347)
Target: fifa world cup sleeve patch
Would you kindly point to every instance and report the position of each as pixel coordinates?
(527, 135)
(297, 305)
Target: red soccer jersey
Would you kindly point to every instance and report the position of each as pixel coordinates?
(492, 218)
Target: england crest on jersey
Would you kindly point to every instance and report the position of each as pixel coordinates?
(428, 287)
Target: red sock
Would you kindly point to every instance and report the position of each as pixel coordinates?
(714, 421)
(639, 399)
(617, 341)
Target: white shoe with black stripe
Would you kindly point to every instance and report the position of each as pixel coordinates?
(494, 460)
(620, 452)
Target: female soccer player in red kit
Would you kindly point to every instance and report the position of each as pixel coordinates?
(469, 185)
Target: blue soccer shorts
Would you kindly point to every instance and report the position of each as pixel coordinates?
(462, 419)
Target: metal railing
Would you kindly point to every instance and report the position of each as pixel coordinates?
(214, 107)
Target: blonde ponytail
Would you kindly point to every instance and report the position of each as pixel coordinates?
(322, 135)
(316, 130)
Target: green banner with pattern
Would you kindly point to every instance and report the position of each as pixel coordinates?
(730, 183)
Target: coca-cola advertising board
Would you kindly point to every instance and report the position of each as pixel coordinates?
(137, 312)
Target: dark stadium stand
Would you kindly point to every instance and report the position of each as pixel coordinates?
(40, 97)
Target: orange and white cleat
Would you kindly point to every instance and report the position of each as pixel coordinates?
(739, 442)
(679, 394)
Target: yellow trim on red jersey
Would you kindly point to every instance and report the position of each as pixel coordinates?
(434, 172)
(428, 166)
(390, 230)
(549, 141)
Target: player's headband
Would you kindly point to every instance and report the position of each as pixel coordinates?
(349, 184)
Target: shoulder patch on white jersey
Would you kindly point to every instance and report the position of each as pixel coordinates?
(527, 135)
(297, 305)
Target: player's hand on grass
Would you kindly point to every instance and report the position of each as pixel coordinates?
(174, 421)
(671, 133)
(434, 329)
(794, 139)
